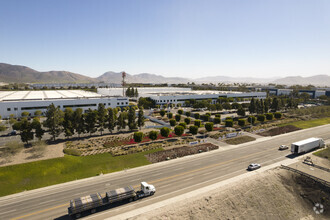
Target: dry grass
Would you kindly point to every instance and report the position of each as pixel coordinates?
(239, 140)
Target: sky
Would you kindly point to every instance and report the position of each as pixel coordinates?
(173, 38)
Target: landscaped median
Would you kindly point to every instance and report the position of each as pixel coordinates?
(17, 178)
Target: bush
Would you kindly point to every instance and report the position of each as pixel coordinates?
(71, 151)
(261, 118)
(241, 122)
(209, 126)
(197, 123)
(217, 115)
(197, 116)
(217, 120)
(177, 117)
(172, 122)
(206, 117)
(138, 136)
(187, 121)
(153, 135)
(193, 129)
(3, 128)
(269, 116)
(229, 123)
(278, 115)
(170, 115)
(180, 111)
(162, 112)
(188, 114)
(164, 131)
(183, 124)
(178, 130)
(251, 119)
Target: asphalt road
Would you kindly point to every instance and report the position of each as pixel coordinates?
(170, 178)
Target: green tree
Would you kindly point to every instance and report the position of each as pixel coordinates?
(170, 115)
(251, 119)
(278, 115)
(164, 131)
(141, 118)
(153, 135)
(241, 122)
(131, 119)
(172, 122)
(79, 121)
(180, 111)
(218, 106)
(17, 126)
(101, 117)
(241, 111)
(217, 120)
(136, 93)
(275, 106)
(205, 117)
(187, 121)
(178, 130)
(197, 116)
(26, 131)
(111, 120)
(261, 118)
(90, 120)
(197, 123)
(188, 114)
(252, 107)
(68, 125)
(54, 119)
(25, 114)
(226, 105)
(183, 124)
(38, 113)
(162, 112)
(209, 126)
(121, 123)
(138, 137)
(193, 129)
(177, 117)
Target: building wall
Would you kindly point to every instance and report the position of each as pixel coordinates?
(143, 91)
(17, 107)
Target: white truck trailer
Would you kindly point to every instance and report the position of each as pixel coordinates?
(306, 145)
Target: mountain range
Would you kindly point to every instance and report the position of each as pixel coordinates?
(22, 74)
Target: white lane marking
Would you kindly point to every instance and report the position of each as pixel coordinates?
(7, 211)
(180, 168)
(164, 186)
(188, 179)
(207, 173)
(157, 174)
(46, 201)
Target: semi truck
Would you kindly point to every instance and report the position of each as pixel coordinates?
(306, 145)
(90, 203)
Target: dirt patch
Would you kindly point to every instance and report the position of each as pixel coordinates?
(180, 152)
(279, 130)
(240, 140)
(273, 194)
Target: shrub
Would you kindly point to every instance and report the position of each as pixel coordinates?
(269, 116)
(164, 131)
(172, 122)
(193, 129)
(178, 130)
(278, 115)
(197, 116)
(197, 123)
(261, 118)
(206, 117)
(177, 117)
(183, 124)
(229, 123)
(217, 120)
(187, 121)
(71, 151)
(180, 111)
(3, 127)
(251, 119)
(162, 112)
(138, 136)
(153, 135)
(170, 115)
(188, 114)
(217, 115)
(209, 126)
(241, 122)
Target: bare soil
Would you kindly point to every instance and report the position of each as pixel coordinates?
(279, 130)
(273, 194)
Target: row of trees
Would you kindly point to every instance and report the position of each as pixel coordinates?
(131, 92)
(71, 122)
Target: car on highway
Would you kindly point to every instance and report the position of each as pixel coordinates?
(254, 166)
(283, 147)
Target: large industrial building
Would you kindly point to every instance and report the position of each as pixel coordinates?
(16, 102)
(173, 95)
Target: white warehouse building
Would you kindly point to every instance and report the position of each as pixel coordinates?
(16, 102)
(142, 91)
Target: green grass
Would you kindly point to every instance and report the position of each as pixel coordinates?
(17, 178)
(309, 124)
(325, 153)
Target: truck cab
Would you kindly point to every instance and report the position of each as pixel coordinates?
(147, 189)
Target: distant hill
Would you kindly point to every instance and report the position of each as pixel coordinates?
(22, 74)
(318, 80)
(114, 77)
(227, 79)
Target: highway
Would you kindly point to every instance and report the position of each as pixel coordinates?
(170, 178)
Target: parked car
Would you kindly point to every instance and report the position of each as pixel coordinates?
(283, 147)
(254, 166)
(13, 132)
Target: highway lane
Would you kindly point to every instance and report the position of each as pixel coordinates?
(179, 176)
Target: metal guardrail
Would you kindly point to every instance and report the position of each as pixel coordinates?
(322, 181)
(317, 166)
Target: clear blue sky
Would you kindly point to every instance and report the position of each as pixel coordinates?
(186, 38)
